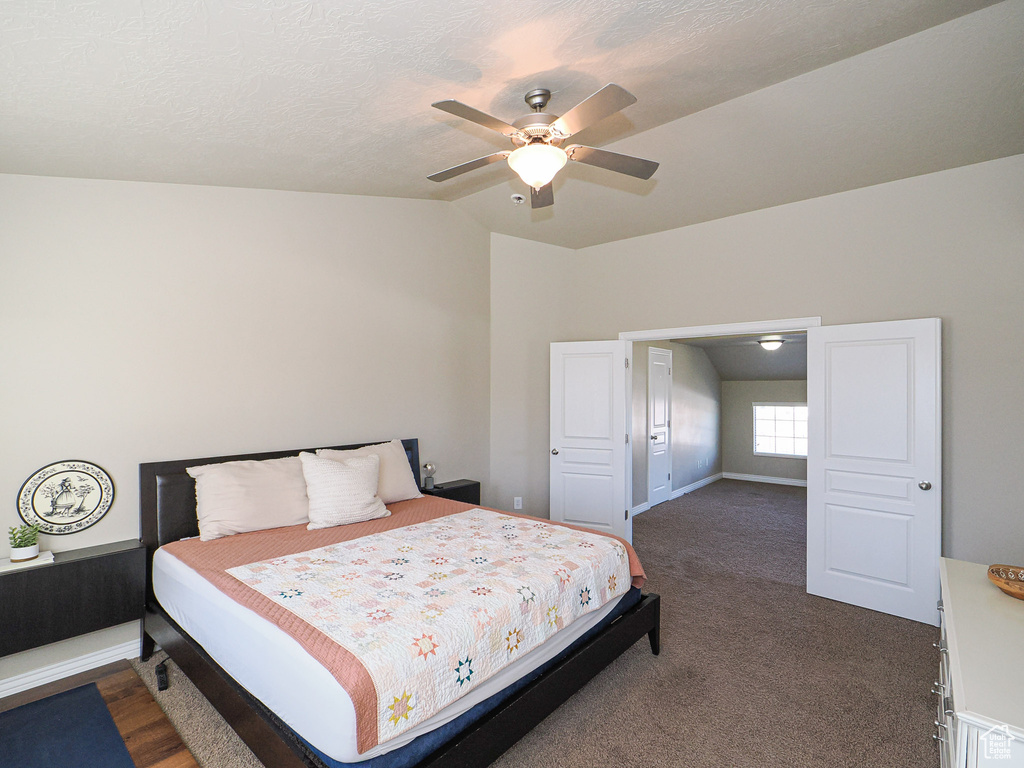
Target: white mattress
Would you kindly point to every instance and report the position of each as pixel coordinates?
(275, 669)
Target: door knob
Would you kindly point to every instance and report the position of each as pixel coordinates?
(925, 486)
(654, 437)
(554, 451)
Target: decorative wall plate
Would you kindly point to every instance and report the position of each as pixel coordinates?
(66, 497)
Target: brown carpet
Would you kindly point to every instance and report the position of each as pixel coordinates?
(753, 671)
(212, 742)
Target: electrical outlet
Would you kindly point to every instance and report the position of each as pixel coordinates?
(517, 502)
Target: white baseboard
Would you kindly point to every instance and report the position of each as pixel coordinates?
(694, 486)
(59, 671)
(678, 492)
(764, 479)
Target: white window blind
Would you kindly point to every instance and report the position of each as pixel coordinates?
(780, 429)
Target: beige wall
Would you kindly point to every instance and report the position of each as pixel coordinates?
(738, 456)
(141, 322)
(948, 244)
(533, 315)
(696, 416)
(145, 321)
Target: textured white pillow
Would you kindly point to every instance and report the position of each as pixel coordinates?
(396, 482)
(342, 492)
(239, 496)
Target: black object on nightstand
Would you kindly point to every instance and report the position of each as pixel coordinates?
(82, 591)
(457, 490)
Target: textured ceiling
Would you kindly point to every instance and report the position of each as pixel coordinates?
(741, 358)
(335, 97)
(946, 97)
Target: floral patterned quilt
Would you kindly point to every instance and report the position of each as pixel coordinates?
(430, 613)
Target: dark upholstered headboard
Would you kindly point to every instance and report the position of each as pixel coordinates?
(167, 493)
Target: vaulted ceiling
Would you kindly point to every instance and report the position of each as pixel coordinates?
(745, 103)
(741, 358)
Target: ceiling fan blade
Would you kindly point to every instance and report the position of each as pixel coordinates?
(607, 101)
(543, 197)
(467, 112)
(602, 158)
(472, 165)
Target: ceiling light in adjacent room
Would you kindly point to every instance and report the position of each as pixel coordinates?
(770, 344)
(537, 163)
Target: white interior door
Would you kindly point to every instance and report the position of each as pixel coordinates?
(589, 454)
(874, 465)
(659, 414)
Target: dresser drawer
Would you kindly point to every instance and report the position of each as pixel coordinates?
(946, 727)
(947, 732)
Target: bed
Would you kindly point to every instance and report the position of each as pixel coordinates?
(227, 651)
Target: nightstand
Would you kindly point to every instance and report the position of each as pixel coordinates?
(457, 490)
(81, 591)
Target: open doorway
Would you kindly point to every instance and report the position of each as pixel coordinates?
(737, 409)
(874, 454)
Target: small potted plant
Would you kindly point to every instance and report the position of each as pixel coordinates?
(24, 543)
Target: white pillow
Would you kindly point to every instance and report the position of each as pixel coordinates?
(396, 481)
(239, 496)
(342, 492)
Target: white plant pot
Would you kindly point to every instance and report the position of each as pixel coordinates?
(21, 554)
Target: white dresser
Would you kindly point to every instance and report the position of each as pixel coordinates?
(981, 675)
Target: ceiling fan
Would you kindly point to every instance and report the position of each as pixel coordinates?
(538, 137)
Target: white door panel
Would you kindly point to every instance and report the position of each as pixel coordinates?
(596, 456)
(587, 499)
(863, 484)
(868, 543)
(659, 413)
(589, 457)
(869, 415)
(874, 466)
(587, 413)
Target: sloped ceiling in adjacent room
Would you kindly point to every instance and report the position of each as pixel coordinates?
(745, 103)
(741, 358)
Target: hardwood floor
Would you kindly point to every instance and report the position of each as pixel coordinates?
(151, 739)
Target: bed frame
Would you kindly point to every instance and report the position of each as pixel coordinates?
(168, 505)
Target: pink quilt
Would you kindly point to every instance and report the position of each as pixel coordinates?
(411, 611)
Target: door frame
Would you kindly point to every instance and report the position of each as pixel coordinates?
(668, 435)
(785, 325)
(790, 325)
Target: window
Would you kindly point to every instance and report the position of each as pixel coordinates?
(780, 429)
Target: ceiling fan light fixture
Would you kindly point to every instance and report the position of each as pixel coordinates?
(770, 344)
(542, 157)
(537, 163)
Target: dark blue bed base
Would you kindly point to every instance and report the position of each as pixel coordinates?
(422, 746)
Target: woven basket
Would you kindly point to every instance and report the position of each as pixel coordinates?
(1009, 578)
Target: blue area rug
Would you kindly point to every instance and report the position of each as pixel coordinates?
(73, 729)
